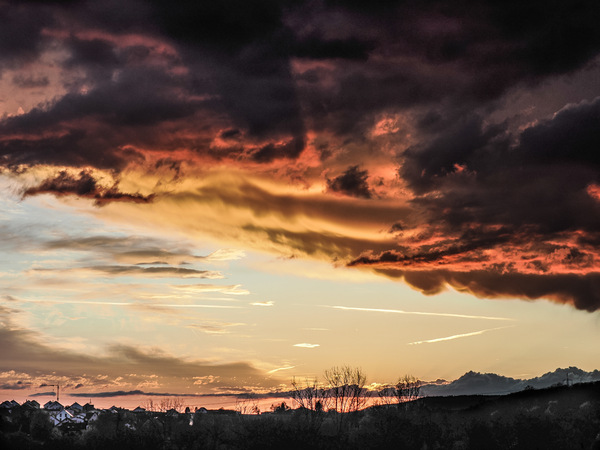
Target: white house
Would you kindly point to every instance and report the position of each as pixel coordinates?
(58, 417)
(79, 418)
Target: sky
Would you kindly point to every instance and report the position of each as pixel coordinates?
(210, 198)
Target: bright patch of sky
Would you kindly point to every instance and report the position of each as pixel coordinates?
(88, 312)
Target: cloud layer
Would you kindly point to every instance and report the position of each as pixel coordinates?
(435, 143)
(30, 360)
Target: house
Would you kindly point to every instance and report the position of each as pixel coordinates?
(32, 404)
(79, 418)
(53, 406)
(88, 407)
(8, 404)
(75, 408)
(91, 417)
(58, 417)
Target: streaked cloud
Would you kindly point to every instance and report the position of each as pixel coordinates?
(138, 304)
(458, 336)
(166, 272)
(226, 254)
(214, 327)
(282, 368)
(416, 313)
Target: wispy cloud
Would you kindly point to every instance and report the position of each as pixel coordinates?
(269, 303)
(283, 368)
(458, 336)
(162, 305)
(233, 289)
(416, 313)
(214, 327)
(226, 254)
(306, 345)
(167, 272)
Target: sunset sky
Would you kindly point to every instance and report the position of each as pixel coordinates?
(208, 197)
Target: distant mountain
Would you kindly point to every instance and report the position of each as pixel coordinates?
(490, 383)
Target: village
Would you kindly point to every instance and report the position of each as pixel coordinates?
(560, 417)
(76, 418)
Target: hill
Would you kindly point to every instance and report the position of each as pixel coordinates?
(475, 383)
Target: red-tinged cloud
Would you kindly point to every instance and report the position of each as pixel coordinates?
(580, 291)
(84, 185)
(394, 135)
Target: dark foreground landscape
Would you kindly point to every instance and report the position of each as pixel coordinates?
(561, 417)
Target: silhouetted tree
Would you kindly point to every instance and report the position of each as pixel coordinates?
(408, 389)
(310, 395)
(247, 405)
(40, 426)
(346, 388)
(280, 407)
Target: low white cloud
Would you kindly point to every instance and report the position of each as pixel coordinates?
(306, 345)
(232, 289)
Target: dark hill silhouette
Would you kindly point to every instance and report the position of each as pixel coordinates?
(551, 400)
(475, 383)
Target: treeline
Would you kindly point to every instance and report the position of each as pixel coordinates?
(330, 415)
(414, 426)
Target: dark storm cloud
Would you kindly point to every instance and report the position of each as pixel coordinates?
(254, 82)
(519, 206)
(30, 81)
(247, 47)
(239, 54)
(352, 182)
(571, 137)
(229, 24)
(98, 127)
(580, 291)
(129, 101)
(467, 54)
(315, 47)
(85, 185)
(20, 34)
(540, 182)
